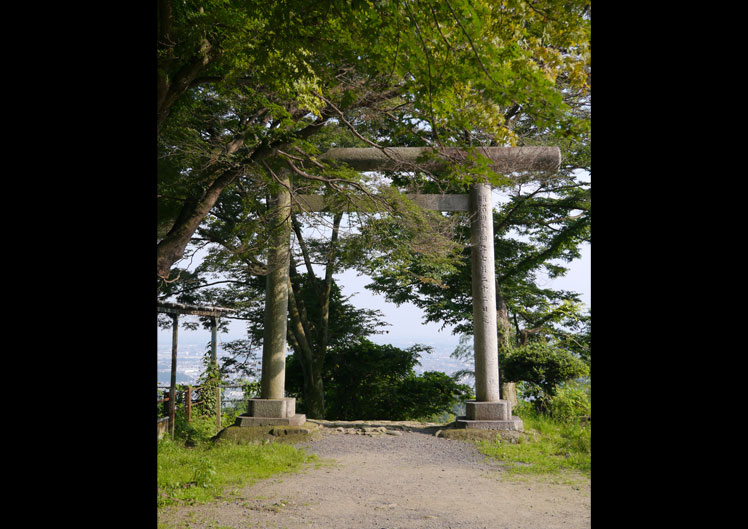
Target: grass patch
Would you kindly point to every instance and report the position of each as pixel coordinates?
(207, 471)
(552, 448)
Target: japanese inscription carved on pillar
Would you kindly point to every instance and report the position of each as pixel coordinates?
(484, 295)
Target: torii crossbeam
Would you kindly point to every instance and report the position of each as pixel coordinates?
(487, 411)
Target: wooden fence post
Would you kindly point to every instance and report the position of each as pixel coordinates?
(214, 359)
(188, 401)
(173, 389)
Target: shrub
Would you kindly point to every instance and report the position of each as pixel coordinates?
(542, 364)
(209, 381)
(198, 430)
(364, 380)
(571, 401)
(428, 395)
(541, 368)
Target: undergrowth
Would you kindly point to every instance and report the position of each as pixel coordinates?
(551, 447)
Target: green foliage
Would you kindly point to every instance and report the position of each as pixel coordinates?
(571, 401)
(163, 407)
(251, 389)
(542, 367)
(409, 247)
(203, 473)
(432, 394)
(239, 78)
(232, 409)
(209, 382)
(197, 430)
(364, 380)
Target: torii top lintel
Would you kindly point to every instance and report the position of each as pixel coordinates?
(504, 159)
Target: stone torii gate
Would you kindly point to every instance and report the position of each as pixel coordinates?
(487, 411)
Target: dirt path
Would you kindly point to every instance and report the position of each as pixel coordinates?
(411, 480)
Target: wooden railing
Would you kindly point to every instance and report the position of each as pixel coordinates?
(168, 420)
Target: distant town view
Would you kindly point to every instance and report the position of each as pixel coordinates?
(190, 354)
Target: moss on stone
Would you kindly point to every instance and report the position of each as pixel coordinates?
(470, 434)
(267, 434)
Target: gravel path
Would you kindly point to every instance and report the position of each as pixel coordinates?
(411, 480)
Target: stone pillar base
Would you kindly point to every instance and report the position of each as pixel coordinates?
(246, 420)
(285, 407)
(493, 415)
(271, 412)
(515, 423)
(499, 410)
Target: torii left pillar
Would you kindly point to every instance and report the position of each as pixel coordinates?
(273, 407)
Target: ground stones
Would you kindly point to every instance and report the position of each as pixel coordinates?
(371, 431)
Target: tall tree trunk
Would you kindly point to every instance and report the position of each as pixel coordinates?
(314, 395)
(313, 349)
(327, 289)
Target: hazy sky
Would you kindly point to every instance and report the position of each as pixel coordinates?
(406, 320)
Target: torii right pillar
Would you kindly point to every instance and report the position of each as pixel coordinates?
(487, 411)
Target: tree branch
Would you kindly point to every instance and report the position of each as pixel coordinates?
(302, 245)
